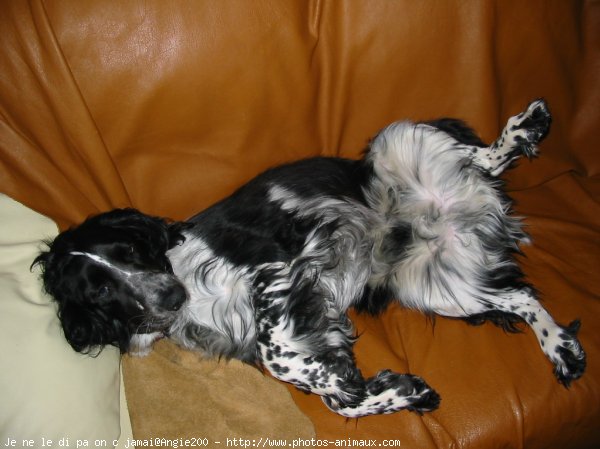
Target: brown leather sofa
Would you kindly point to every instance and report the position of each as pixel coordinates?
(169, 106)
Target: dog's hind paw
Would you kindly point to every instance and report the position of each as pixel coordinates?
(569, 356)
(426, 400)
(414, 393)
(530, 127)
(520, 136)
(389, 392)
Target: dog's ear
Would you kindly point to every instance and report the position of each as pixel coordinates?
(89, 330)
(42, 260)
(51, 265)
(164, 235)
(130, 219)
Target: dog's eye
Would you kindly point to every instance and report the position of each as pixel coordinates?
(128, 252)
(102, 292)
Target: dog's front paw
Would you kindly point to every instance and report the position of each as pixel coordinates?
(530, 127)
(569, 356)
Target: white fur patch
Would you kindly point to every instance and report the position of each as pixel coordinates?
(423, 182)
(219, 293)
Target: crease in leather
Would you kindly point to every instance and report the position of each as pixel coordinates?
(65, 158)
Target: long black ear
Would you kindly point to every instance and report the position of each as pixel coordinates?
(123, 217)
(131, 219)
(51, 263)
(89, 330)
(161, 232)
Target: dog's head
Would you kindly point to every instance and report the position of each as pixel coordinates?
(112, 279)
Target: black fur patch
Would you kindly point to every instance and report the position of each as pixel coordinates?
(509, 322)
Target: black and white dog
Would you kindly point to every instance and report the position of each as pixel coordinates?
(267, 275)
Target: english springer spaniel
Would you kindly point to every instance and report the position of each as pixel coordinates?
(267, 275)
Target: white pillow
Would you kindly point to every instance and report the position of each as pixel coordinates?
(47, 390)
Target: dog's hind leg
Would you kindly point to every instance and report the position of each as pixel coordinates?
(519, 137)
(335, 377)
(386, 392)
(558, 343)
(324, 364)
(507, 306)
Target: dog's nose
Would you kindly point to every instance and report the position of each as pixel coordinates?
(174, 299)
